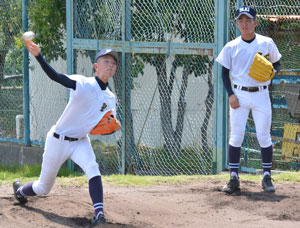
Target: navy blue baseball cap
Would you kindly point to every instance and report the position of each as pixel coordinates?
(246, 10)
(106, 51)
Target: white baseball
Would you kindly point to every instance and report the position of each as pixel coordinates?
(29, 35)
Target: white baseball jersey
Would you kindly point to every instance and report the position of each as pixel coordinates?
(238, 55)
(86, 107)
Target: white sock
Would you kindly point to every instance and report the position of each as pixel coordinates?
(267, 173)
(234, 174)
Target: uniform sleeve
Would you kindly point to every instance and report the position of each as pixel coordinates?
(277, 66)
(224, 58)
(55, 76)
(274, 52)
(226, 81)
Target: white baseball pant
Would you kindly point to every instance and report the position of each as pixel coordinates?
(56, 152)
(260, 105)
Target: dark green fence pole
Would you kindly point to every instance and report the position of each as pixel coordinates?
(123, 71)
(129, 122)
(127, 133)
(26, 109)
(221, 99)
(69, 25)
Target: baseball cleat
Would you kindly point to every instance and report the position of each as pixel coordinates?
(99, 221)
(16, 186)
(232, 186)
(267, 184)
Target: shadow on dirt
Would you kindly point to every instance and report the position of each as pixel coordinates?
(72, 221)
(260, 196)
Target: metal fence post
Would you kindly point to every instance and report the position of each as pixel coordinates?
(221, 100)
(26, 108)
(69, 25)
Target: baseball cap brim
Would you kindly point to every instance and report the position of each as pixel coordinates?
(245, 13)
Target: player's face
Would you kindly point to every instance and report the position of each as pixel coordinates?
(106, 67)
(246, 26)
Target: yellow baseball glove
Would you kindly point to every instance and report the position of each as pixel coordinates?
(261, 69)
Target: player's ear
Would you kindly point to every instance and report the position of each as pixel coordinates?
(96, 66)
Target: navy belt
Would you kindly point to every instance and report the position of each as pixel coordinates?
(65, 138)
(250, 89)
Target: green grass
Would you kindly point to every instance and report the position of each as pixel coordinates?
(133, 180)
(66, 178)
(28, 173)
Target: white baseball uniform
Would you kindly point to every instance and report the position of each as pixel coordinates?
(88, 103)
(237, 56)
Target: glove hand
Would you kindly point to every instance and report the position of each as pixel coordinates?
(107, 125)
(261, 69)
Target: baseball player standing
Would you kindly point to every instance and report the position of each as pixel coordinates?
(90, 99)
(248, 94)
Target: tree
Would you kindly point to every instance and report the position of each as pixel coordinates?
(167, 21)
(10, 29)
(158, 21)
(47, 19)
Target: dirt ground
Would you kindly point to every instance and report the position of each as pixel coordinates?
(200, 204)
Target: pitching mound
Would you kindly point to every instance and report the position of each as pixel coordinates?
(200, 204)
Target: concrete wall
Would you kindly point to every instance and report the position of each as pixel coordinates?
(12, 154)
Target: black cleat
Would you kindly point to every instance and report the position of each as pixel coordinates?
(232, 186)
(16, 186)
(267, 184)
(99, 221)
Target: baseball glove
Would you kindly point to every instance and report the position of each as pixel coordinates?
(261, 69)
(107, 125)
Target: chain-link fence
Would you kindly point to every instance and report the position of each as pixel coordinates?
(11, 93)
(169, 111)
(279, 20)
(165, 83)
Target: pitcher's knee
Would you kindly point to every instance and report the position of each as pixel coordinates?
(236, 140)
(264, 140)
(92, 170)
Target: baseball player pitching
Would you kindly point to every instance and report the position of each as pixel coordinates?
(90, 100)
(252, 61)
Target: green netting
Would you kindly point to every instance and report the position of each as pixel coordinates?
(11, 83)
(165, 95)
(169, 103)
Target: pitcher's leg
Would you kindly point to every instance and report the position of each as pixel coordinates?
(53, 157)
(85, 157)
(262, 115)
(238, 120)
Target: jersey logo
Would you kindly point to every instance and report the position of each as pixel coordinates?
(267, 56)
(103, 107)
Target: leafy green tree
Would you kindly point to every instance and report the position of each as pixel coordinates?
(47, 18)
(188, 22)
(10, 29)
